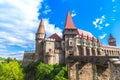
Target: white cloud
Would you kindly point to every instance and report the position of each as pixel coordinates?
(15, 54)
(114, 10)
(100, 22)
(102, 36)
(113, 0)
(47, 9)
(50, 28)
(18, 23)
(107, 24)
(73, 14)
(2, 46)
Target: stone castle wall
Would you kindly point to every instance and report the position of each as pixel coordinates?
(114, 72)
(28, 58)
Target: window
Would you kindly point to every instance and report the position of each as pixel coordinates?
(70, 43)
(50, 50)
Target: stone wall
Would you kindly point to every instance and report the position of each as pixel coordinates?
(78, 71)
(103, 72)
(28, 57)
(114, 72)
(85, 72)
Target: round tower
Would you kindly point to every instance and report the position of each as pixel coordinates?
(40, 36)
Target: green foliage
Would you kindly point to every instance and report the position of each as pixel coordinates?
(43, 71)
(2, 58)
(61, 74)
(11, 71)
(47, 71)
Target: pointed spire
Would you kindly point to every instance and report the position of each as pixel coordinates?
(41, 28)
(111, 37)
(69, 22)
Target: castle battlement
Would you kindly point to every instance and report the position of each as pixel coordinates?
(49, 39)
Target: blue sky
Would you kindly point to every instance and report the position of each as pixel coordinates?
(19, 20)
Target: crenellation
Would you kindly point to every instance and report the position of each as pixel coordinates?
(50, 39)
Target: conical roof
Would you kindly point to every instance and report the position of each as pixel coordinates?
(69, 22)
(111, 37)
(41, 28)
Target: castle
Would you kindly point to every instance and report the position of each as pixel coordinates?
(84, 55)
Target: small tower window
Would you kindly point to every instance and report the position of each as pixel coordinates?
(50, 50)
(70, 43)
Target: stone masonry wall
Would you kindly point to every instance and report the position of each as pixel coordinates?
(103, 72)
(114, 72)
(28, 57)
(85, 72)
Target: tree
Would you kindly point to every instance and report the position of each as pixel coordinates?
(11, 71)
(43, 71)
(50, 72)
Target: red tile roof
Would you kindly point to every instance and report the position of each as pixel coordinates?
(85, 34)
(69, 22)
(56, 37)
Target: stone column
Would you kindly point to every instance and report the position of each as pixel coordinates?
(84, 51)
(95, 52)
(90, 51)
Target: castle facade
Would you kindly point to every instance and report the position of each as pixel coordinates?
(81, 51)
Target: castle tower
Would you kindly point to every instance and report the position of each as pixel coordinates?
(70, 31)
(70, 28)
(40, 35)
(112, 41)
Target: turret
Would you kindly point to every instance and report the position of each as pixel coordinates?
(41, 31)
(112, 41)
(40, 36)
